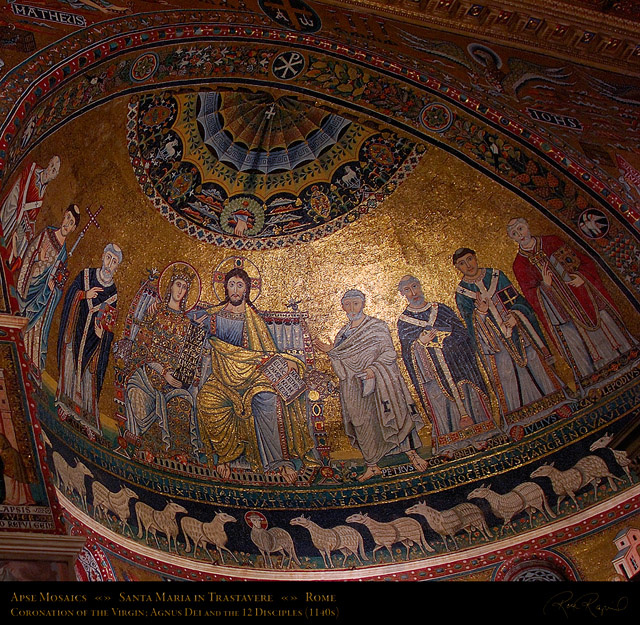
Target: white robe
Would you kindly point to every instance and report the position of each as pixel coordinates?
(379, 415)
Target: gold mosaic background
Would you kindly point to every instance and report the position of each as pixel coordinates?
(444, 205)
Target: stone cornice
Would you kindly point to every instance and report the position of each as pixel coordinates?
(36, 547)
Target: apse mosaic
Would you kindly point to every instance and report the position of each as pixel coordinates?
(297, 308)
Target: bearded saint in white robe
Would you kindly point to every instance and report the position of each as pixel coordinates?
(379, 415)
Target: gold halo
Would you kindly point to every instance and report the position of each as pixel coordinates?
(195, 289)
(231, 263)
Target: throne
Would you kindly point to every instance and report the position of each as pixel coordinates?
(291, 335)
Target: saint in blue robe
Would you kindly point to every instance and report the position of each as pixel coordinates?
(39, 291)
(516, 358)
(446, 376)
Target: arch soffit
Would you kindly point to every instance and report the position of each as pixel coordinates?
(58, 90)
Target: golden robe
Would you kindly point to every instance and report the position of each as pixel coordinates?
(225, 417)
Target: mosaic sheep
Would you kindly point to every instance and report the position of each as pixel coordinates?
(339, 538)
(621, 457)
(273, 540)
(105, 501)
(203, 534)
(385, 534)
(164, 521)
(72, 478)
(527, 496)
(464, 516)
(588, 470)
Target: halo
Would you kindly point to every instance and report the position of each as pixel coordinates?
(193, 296)
(227, 265)
(255, 514)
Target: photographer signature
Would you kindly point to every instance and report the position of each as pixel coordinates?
(590, 603)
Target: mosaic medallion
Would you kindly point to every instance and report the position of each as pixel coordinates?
(436, 117)
(255, 170)
(593, 223)
(144, 67)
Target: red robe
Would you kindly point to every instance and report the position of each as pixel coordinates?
(580, 304)
(20, 208)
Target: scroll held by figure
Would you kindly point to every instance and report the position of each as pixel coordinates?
(379, 415)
